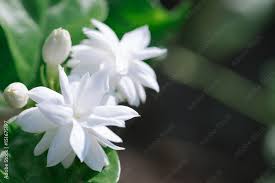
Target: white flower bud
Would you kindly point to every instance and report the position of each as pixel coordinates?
(16, 95)
(57, 47)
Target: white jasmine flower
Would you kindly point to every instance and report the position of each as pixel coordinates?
(75, 123)
(16, 95)
(57, 47)
(124, 59)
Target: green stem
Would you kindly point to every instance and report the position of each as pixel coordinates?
(52, 75)
(43, 76)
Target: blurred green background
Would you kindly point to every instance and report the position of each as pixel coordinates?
(212, 120)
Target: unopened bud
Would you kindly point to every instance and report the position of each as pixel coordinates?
(57, 47)
(16, 95)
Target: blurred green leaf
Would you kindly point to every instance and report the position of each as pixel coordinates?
(126, 15)
(36, 9)
(25, 167)
(269, 145)
(4, 107)
(27, 23)
(24, 38)
(267, 178)
(74, 15)
(7, 66)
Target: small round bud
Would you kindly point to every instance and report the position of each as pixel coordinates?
(16, 95)
(57, 47)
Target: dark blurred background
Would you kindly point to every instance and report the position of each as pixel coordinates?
(184, 134)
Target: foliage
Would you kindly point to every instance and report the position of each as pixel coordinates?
(25, 31)
(126, 15)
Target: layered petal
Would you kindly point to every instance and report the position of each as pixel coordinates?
(78, 85)
(72, 63)
(45, 142)
(83, 68)
(138, 38)
(106, 30)
(106, 133)
(65, 87)
(33, 121)
(58, 114)
(96, 158)
(41, 94)
(149, 53)
(60, 146)
(141, 92)
(78, 141)
(104, 141)
(146, 80)
(138, 66)
(128, 90)
(97, 40)
(91, 92)
(109, 99)
(89, 55)
(118, 112)
(94, 120)
(68, 161)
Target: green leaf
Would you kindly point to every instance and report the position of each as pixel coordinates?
(37, 9)
(25, 32)
(7, 67)
(74, 15)
(126, 15)
(111, 173)
(24, 38)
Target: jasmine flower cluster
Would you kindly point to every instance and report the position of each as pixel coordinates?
(105, 71)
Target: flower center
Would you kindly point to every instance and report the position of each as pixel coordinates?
(77, 115)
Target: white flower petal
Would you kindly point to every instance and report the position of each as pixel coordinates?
(78, 86)
(149, 53)
(127, 88)
(89, 55)
(41, 94)
(146, 80)
(118, 112)
(122, 61)
(138, 66)
(72, 63)
(96, 158)
(58, 114)
(93, 92)
(93, 120)
(141, 92)
(138, 38)
(109, 100)
(104, 141)
(64, 85)
(97, 40)
(106, 133)
(83, 68)
(60, 146)
(45, 142)
(33, 121)
(136, 102)
(106, 30)
(78, 141)
(68, 161)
